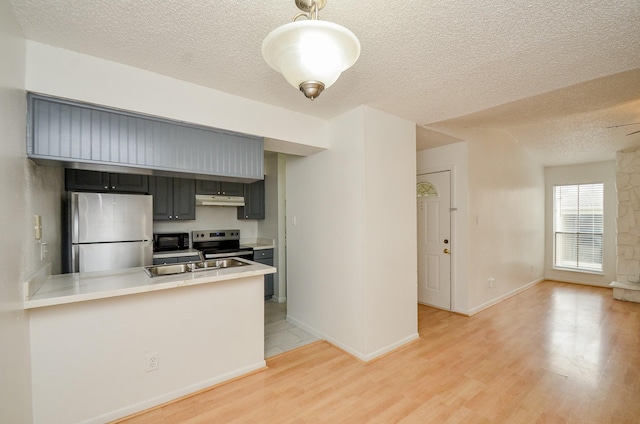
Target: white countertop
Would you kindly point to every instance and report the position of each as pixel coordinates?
(259, 244)
(80, 287)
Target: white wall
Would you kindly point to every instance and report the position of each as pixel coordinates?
(25, 190)
(454, 158)
(77, 76)
(506, 228)
(498, 228)
(281, 241)
(268, 228)
(351, 247)
(15, 387)
(604, 172)
(89, 358)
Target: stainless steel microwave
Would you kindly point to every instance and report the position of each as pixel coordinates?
(164, 242)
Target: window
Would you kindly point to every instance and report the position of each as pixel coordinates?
(578, 227)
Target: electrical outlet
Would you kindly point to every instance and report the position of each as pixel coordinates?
(152, 363)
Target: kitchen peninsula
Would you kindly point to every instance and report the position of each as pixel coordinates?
(106, 328)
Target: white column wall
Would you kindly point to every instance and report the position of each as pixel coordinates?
(78, 76)
(349, 280)
(325, 237)
(390, 243)
(604, 172)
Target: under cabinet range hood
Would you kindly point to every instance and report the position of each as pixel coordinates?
(210, 200)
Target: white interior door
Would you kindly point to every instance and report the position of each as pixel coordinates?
(434, 239)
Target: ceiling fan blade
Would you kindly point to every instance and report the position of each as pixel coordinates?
(624, 125)
(635, 132)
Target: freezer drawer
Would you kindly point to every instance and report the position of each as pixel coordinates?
(110, 256)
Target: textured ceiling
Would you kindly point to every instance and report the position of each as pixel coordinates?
(426, 61)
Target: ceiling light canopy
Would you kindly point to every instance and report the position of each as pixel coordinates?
(310, 54)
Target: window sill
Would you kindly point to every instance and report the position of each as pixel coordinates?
(581, 271)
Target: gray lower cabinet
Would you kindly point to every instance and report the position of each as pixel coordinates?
(95, 181)
(265, 257)
(254, 207)
(173, 198)
(222, 188)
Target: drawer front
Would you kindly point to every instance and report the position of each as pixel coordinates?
(262, 254)
(164, 261)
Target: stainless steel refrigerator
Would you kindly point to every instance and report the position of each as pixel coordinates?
(109, 231)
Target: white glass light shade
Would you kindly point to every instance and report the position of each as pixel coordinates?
(311, 50)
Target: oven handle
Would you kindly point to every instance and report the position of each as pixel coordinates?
(228, 255)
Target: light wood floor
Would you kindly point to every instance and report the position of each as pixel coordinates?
(556, 353)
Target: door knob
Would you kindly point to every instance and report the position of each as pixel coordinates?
(447, 251)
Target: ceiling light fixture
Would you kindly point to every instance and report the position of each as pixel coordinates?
(309, 53)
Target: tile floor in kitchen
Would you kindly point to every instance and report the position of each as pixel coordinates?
(279, 335)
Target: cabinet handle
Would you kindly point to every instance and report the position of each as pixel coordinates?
(224, 192)
(176, 216)
(113, 187)
(106, 187)
(170, 216)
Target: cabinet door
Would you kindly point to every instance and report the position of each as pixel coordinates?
(219, 187)
(207, 187)
(268, 278)
(253, 201)
(231, 189)
(81, 180)
(162, 190)
(129, 183)
(184, 199)
(268, 286)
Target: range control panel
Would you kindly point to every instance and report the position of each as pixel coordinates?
(215, 235)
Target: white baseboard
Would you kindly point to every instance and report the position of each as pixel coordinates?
(584, 283)
(167, 397)
(363, 357)
(499, 299)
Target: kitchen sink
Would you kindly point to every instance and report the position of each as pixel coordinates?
(219, 263)
(172, 269)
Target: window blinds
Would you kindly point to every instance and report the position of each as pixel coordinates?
(578, 226)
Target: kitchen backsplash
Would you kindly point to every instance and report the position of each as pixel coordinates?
(210, 217)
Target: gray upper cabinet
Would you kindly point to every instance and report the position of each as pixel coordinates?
(173, 198)
(68, 131)
(254, 206)
(219, 188)
(83, 180)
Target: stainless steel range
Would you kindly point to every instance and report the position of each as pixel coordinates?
(220, 244)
